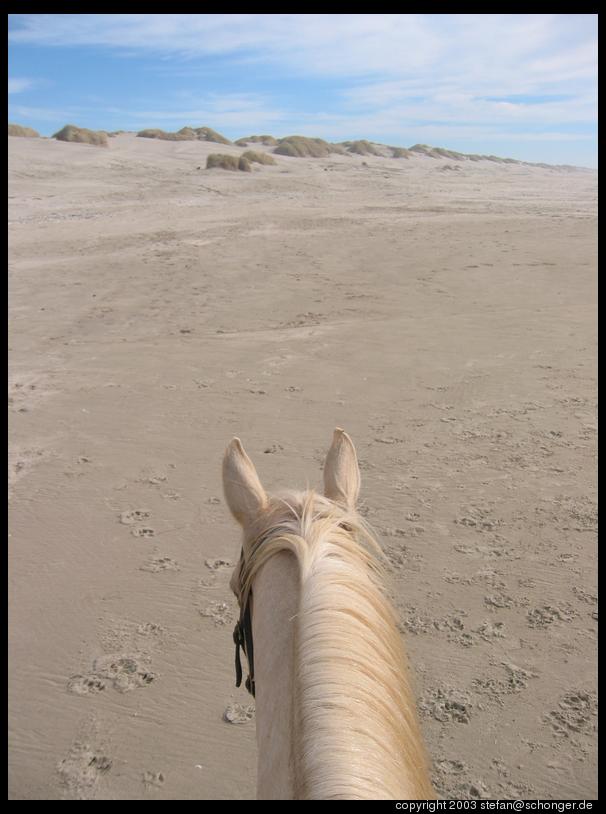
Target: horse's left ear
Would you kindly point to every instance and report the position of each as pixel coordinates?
(341, 470)
(243, 491)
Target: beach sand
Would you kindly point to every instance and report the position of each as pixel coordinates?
(444, 313)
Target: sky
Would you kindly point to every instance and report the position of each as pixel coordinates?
(514, 85)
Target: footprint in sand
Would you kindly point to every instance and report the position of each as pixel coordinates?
(81, 769)
(501, 600)
(143, 531)
(133, 516)
(152, 478)
(26, 394)
(401, 557)
(153, 779)
(171, 495)
(160, 564)
(150, 629)
(454, 627)
(238, 714)
(473, 791)
(122, 672)
(575, 714)
(585, 596)
(450, 767)
(125, 672)
(219, 612)
(516, 681)
(447, 705)
(85, 685)
(489, 631)
(450, 780)
(218, 564)
(21, 460)
(548, 614)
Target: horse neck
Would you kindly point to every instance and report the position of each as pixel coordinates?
(357, 729)
(335, 715)
(275, 602)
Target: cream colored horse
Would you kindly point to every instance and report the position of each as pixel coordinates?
(334, 709)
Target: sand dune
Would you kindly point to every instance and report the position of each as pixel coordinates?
(446, 319)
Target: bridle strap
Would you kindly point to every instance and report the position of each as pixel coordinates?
(243, 638)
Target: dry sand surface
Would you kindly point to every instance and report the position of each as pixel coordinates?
(443, 313)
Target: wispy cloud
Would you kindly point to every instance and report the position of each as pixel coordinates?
(340, 44)
(451, 104)
(56, 116)
(19, 85)
(352, 44)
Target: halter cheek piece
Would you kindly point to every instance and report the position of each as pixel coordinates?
(243, 639)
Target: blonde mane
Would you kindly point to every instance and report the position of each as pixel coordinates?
(354, 732)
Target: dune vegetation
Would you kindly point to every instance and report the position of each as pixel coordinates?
(258, 158)
(400, 152)
(19, 130)
(302, 147)
(361, 147)
(293, 146)
(81, 135)
(270, 141)
(185, 134)
(228, 162)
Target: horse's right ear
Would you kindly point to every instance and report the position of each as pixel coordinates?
(243, 491)
(341, 470)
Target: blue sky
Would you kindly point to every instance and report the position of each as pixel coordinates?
(515, 85)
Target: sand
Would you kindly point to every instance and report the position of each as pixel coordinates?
(442, 312)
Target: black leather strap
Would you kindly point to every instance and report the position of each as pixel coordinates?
(248, 649)
(243, 638)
